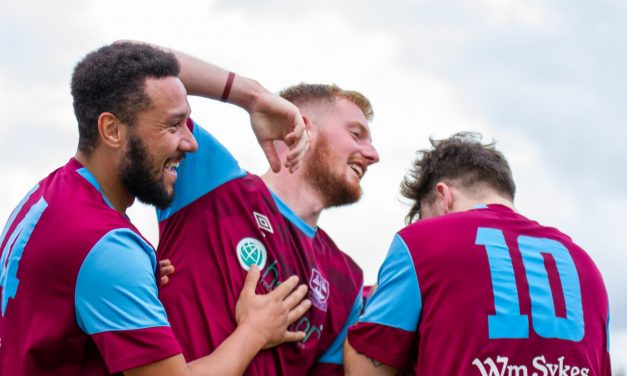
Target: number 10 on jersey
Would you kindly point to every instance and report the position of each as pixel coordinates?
(508, 322)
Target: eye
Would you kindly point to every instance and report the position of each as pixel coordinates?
(173, 128)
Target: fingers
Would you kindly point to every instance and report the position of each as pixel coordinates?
(296, 157)
(164, 281)
(297, 312)
(251, 280)
(293, 336)
(296, 296)
(298, 143)
(285, 288)
(166, 268)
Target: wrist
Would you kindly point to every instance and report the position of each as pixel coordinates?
(244, 92)
(254, 337)
(227, 87)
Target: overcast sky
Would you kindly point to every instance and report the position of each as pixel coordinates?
(545, 79)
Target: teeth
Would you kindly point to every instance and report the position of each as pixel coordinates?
(172, 164)
(357, 169)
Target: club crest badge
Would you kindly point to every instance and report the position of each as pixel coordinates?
(318, 290)
(251, 251)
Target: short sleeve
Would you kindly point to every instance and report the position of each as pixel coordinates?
(386, 330)
(117, 302)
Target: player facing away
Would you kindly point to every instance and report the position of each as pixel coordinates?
(78, 289)
(474, 287)
(224, 219)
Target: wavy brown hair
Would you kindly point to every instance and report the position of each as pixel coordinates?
(462, 159)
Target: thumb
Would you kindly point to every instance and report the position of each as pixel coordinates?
(271, 155)
(251, 280)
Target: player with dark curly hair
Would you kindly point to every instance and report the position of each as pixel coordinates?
(78, 286)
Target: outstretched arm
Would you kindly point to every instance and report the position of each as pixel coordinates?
(272, 117)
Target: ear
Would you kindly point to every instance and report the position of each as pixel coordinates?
(308, 124)
(445, 197)
(112, 131)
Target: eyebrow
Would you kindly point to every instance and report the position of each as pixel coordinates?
(177, 116)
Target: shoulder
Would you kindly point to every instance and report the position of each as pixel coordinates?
(441, 228)
(119, 253)
(335, 253)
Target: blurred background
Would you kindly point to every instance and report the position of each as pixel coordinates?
(545, 79)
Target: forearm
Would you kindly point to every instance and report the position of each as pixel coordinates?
(359, 364)
(233, 356)
(207, 80)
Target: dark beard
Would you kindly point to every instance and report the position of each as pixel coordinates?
(334, 190)
(138, 179)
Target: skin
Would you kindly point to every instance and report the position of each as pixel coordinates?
(162, 127)
(253, 312)
(448, 197)
(263, 319)
(345, 127)
(280, 130)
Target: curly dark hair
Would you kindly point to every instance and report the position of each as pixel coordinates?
(112, 79)
(304, 93)
(460, 159)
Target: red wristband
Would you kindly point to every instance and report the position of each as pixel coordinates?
(227, 87)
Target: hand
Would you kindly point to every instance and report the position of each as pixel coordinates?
(274, 118)
(269, 315)
(165, 270)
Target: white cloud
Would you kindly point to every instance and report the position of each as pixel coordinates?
(526, 73)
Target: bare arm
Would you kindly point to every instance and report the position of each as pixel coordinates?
(262, 322)
(360, 364)
(272, 117)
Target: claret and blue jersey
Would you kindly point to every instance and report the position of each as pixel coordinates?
(78, 287)
(223, 220)
(486, 292)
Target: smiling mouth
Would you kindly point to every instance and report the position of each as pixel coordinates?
(358, 169)
(172, 165)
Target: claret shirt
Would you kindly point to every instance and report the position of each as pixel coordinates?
(486, 292)
(222, 221)
(78, 287)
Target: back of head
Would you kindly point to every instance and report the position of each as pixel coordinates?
(460, 160)
(303, 93)
(112, 79)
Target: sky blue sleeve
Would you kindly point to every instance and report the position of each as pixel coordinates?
(335, 352)
(397, 300)
(116, 287)
(199, 173)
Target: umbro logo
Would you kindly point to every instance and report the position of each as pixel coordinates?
(263, 222)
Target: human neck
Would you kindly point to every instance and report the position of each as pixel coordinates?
(103, 165)
(298, 195)
(463, 202)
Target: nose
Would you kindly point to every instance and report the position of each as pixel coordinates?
(188, 143)
(371, 154)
